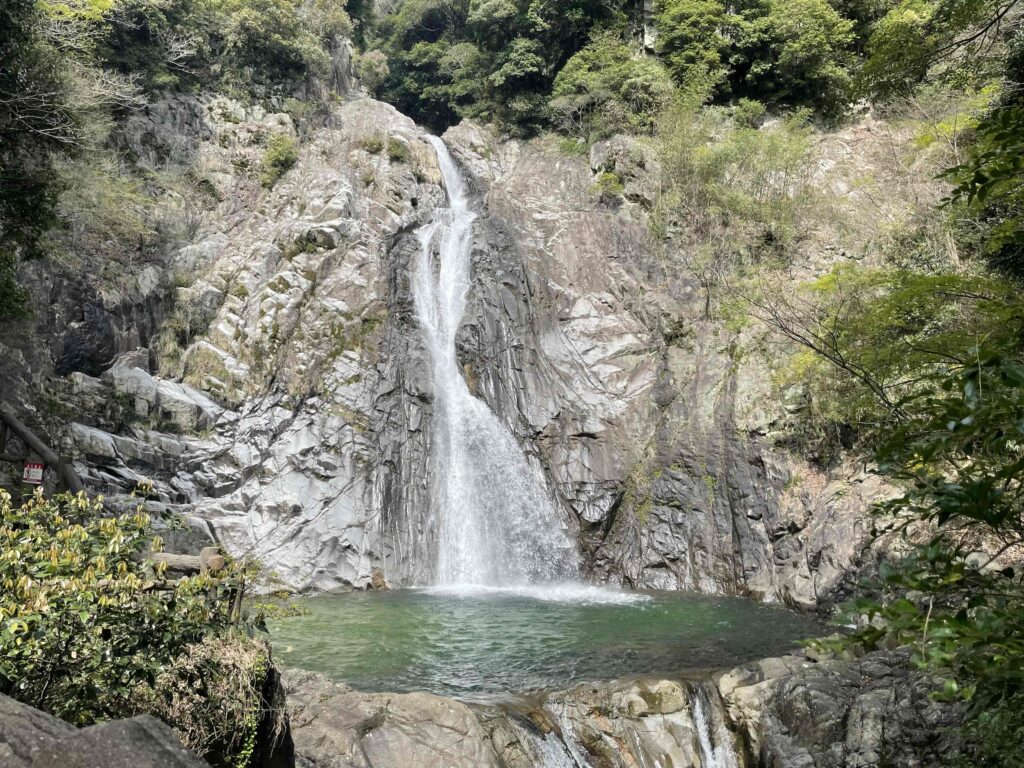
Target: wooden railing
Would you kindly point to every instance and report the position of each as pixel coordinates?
(208, 561)
(10, 423)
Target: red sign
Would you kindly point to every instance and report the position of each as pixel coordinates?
(33, 474)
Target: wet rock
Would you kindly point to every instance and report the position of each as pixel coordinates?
(647, 722)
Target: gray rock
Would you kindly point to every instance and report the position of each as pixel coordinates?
(24, 731)
(333, 726)
(142, 742)
(867, 713)
(32, 739)
(313, 398)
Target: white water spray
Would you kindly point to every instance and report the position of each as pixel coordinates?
(718, 753)
(496, 524)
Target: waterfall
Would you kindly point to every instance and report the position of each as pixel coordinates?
(496, 524)
(717, 753)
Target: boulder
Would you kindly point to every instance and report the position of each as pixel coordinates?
(33, 739)
(333, 726)
(798, 712)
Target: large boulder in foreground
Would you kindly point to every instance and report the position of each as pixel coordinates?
(799, 712)
(33, 739)
(334, 726)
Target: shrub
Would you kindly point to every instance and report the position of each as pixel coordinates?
(398, 150)
(609, 187)
(373, 144)
(281, 155)
(372, 69)
(87, 633)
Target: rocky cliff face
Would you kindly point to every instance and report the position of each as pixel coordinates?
(653, 423)
(270, 376)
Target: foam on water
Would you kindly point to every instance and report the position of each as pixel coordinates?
(584, 594)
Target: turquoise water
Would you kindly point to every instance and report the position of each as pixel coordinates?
(470, 643)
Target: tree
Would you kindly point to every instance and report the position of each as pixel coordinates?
(796, 53)
(952, 39)
(606, 89)
(694, 37)
(991, 184)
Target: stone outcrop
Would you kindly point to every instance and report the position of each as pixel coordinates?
(333, 726)
(789, 712)
(269, 374)
(613, 725)
(798, 712)
(654, 424)
(32, 739)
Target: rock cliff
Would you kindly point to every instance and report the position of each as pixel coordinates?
(270, 376)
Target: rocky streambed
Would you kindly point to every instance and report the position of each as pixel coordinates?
(787, 712)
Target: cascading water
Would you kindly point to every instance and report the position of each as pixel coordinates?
(496, 524)
(716, 752)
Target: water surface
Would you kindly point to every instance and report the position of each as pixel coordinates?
(477, 642)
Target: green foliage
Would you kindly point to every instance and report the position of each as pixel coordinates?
(372, 69)
(280, 157)
(959, 455)
(875, 339)
(795, 52)
(609, 187)
(80, 624)
(88, 633)
(732, 184)
(12, 296)
(989, 733)
(780, 52)
(275, 38)
(398, 150)
(991, 183)
(917, 38)
(694, 37)
(604, 89)
(212, 693)
(374, 144)
(490, 59)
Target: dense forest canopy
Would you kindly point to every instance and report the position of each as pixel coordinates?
(914, 357)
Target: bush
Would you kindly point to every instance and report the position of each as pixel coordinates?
(609, 187)
(281, 155)
(372, 69)
(87, 634)
(398, 150)
(373, 144)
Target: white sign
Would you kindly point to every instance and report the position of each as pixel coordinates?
(33, 474)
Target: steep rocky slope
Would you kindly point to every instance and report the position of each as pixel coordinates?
(280, 394)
